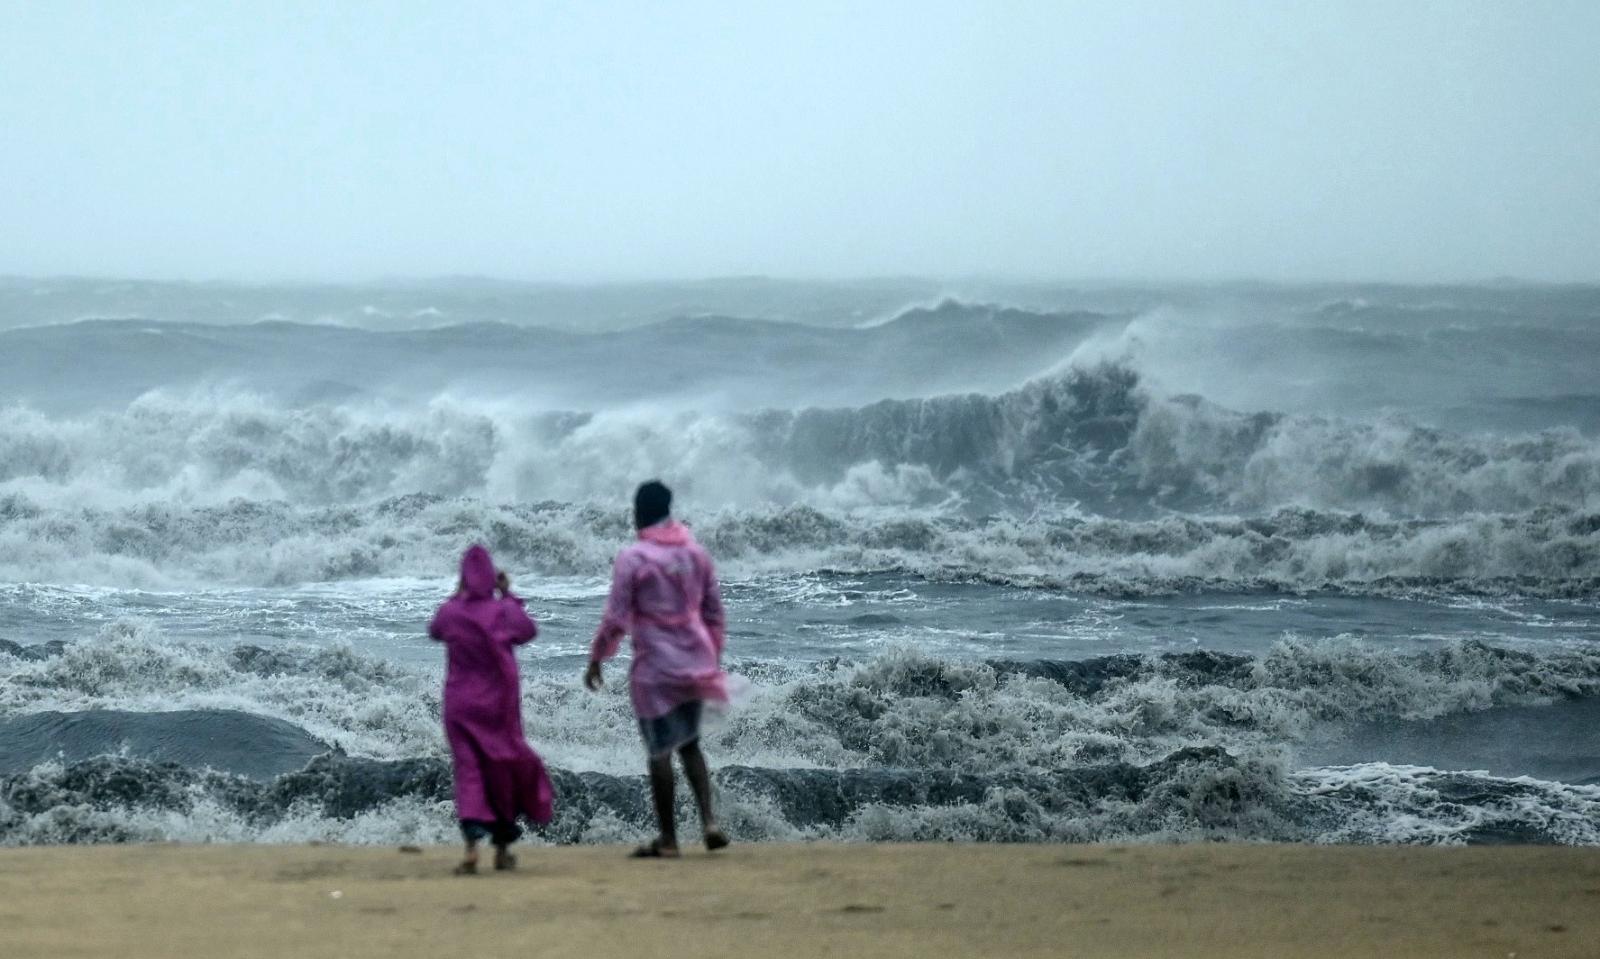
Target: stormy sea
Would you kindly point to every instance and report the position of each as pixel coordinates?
(1003, 562)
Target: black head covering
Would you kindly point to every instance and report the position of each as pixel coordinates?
(651, 504)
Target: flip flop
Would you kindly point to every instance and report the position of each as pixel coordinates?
(716, 839)
(654, 850)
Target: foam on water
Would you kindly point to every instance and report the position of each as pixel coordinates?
(902, 746)
(900, 708)
(1547, 552)
(1193, 794)
(1094, 436)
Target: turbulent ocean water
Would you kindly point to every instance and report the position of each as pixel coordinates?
(1003, 563)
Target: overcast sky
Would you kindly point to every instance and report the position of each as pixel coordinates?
(343, 140)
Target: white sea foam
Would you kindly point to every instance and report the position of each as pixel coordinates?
(1550, 552)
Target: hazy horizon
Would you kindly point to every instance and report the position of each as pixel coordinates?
(1130, 282)
(1432, 144)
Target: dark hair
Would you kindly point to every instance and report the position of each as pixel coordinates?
(651, 504)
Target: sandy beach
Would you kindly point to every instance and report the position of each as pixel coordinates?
(817, 900)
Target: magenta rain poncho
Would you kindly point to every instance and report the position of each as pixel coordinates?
(664, 592)
(498, 776)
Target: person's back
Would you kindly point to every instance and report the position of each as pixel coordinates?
(481, 679)
(664, 592)
(498, 776)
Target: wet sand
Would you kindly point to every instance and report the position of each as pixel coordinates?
(818, 900)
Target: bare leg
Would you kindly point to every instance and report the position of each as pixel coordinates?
(661, 788)
(694, 766)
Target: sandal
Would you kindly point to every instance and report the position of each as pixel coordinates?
(504, 861)
(654, 850)
(466, 869)
(716, 839)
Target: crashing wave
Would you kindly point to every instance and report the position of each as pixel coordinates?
(1549, 552)
(901, 709)
(904, 746)
(1091, 439)
(1191, 795)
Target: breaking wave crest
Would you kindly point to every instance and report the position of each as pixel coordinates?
(1092, 439)
(1191, 795)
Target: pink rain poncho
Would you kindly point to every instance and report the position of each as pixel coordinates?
(498, 776)
(664, 592)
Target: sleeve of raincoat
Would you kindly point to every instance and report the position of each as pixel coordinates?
(518, 624)
(711, 611)
(618, 618)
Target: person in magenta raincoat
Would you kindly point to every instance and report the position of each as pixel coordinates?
(664, 592)
(498, 776)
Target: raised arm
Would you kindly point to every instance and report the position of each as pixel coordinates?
(519, 625)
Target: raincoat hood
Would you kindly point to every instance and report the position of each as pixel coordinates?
(477, 573)
(668, 532)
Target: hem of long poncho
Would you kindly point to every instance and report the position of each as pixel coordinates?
(507, 789)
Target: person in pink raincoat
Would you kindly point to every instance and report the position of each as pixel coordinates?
(664, 592)
(498, 776)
